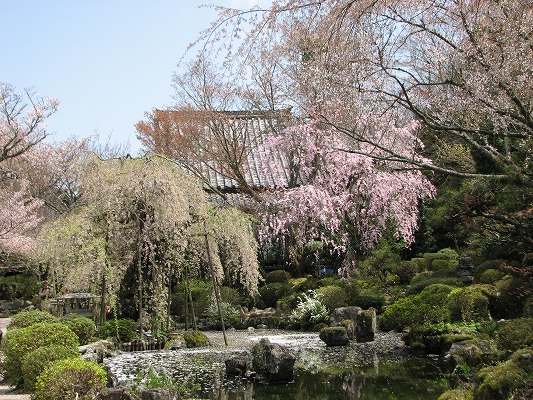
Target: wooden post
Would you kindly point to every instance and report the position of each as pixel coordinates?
(215, 287)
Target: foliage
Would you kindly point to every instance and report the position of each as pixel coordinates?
(23, 319)
(382, 262)
(195, 339)
(369, 299)
(153, 379)
(20, 342)
(34, 363)
(230, 315)
(71, 378)
(121, 330)
(429, 306)
(405, 271)
(310, 310)
(491, 276)
(499, 382)
(469, 304)
(515, 334)
(83, 327)
(512, 297)
(424, 279)
(22, 126)
(278, 276)
(332, 296)
(272, 292)
(20, 286)
(201, 292)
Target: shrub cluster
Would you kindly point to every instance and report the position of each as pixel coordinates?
(230, 314)
(27, 318)
(515, 334)
(310, 310)
(277, 276)
(272, 292)
(332, 296)
(83, 327)
(121, 330)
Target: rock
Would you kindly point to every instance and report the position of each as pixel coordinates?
(472, 352)
(334, 336)
(195, 339)
(350, 328)
(118, 393)
(365, 326)
(158, 394)
(273, 362)
(97, 351)
(236, 365)
(342, 313)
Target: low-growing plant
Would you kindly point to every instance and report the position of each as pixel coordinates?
(277, 276)
(71, 378)
(154, 379)
(19, 342)
(82, 326)
(272, 292)
(332, 296)
(26, 318)
(310, 310)
(515, 334)
(230, 315)
(34, 363)
(121, 330)
(427, 307)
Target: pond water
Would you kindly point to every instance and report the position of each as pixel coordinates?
(376, 370)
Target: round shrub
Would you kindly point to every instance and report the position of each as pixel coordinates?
(27, 318)
(22, 341)
(272, 292)
(429, 306)
(491, 276)
(121, 330)
(310, 310)
(34, 363)
(201, 291)
(277, 276)
(333, 296)
(468, 304)
(71, 378)
(406, 270)
(515, 334)
(230, 295)
(427, 278)
(230, 314)
(83, 327)
(511, 300)
(369, 299)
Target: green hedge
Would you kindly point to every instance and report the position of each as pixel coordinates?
(34, 363)
(83, 327)
(333, 297)
(72, 378)
(469, 304)
(121, 330)
(277, 276)
(19, 342)
(27, 318)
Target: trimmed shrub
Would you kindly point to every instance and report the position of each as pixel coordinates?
(468, 304)
(429, 306)
(491, 276)
(229, 295)
(332, 296)
(22, 341)
(427, 278)
(277, 276)
(27, 318)
(511, 300)
(120, 330)
(406, 270)
(515, 334)
(34, 363)
(272, 292)
(201, 291)
(369, 299)
(71, 378)
(82, 326)
(230, 314)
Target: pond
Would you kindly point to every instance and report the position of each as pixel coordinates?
(376, 370)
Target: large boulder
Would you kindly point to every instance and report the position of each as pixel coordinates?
(334, 336)
(273, 362)
(365, 326)
(237, 365)
(343, 313)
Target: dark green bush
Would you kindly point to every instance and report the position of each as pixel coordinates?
(201, 293)
(332, 296)
(27, 318)
(369, 299)
(83, 327)
(230, 314)
(21, 286)
(120, 330)
(491, 276)
(272, 292)
(469, 304)
(515, 334)
(429, 306)
(230, 295)
(511, 300)
(424, 279)
(22, 341)
(406, 270)
(277, 276)
(34, 363)
(71, 378)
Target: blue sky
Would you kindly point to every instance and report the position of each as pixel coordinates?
(106, 61)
